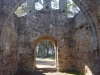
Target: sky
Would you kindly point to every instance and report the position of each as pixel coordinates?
(39, 6)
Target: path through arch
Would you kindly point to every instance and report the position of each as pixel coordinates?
(46, 63)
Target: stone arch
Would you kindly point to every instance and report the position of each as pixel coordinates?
(45, 38)
(82, 5)
(51, 39)
(87, 13)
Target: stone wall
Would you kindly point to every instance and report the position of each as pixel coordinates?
(98, 14)
(9, 60)
(43, 23)
(0, 41)
(1, 59)
(85, 58)
(52, 24)
(0, 6)
(0, 30)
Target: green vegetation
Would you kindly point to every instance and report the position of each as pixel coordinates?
(22, 10)
(72, 8)
(45, 49)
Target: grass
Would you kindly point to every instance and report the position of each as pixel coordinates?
(73, 72)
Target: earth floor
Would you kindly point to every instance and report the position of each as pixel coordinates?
(44, 64)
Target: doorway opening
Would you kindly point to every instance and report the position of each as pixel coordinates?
(46, 53)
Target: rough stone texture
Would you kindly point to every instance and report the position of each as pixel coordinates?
(98, 12)
(75, 50)
(9, 57)
(0, 6)
(1, 59)
(47, 3)
(43, 23)
(62, 5)
(85, 58)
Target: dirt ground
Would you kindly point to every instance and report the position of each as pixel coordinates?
(39, 73)
(45, 63)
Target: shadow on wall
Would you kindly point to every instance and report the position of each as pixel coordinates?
(29, 73)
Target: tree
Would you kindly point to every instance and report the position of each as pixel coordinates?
(72, 8)
(21, 10)
(55, 4)
(44, 49)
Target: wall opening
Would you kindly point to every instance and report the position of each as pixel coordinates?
(55, 4)
(45, 53)
(72, 9)
(22, 9)
(38, 4)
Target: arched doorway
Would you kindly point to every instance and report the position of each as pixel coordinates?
(45, 55)
(36, 45)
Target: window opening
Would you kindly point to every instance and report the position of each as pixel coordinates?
(39, 4)
(22, 9)
(72, 9)
(55, 4)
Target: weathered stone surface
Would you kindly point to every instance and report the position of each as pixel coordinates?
(84, 55)
(76, 37)
(52, 24)
(9, 56)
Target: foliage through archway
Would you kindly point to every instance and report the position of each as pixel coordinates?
(45, 49)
